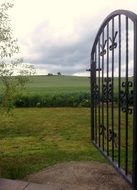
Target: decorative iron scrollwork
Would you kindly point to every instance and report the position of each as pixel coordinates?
(103, 52)
(95, 93)
(102, 130)
(114, 44)
(126, 97)
(107, 90)
(111, 136)
(111, 47)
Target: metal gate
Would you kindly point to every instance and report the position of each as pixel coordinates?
(114, 92)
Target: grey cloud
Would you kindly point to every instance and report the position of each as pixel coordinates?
(68, 58)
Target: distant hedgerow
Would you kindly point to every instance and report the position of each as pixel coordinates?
(57, 100)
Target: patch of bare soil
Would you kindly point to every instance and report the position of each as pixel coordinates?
(81, 176)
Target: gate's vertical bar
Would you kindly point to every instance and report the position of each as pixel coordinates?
(99, 89)
(96, 97)
(126, 135)
(102, 92)
(119, 106)
(92, 80)
(134, 173)
(108, 89)
(112, 90)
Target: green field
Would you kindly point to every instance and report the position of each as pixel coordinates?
(57, 85)
(34, 138)
(53, 91)
(41, 85)
(46, 85)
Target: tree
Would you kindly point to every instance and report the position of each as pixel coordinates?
(13, 72)
(59, 73)
(50, 74)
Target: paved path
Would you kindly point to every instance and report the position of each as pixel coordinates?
(6, 184)
(70, 176)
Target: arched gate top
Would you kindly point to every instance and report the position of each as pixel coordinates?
(127, 13)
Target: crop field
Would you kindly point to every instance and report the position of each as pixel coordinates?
(43, 85)
(47, 85)
(54, 91)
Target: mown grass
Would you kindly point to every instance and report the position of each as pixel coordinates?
(32, 139)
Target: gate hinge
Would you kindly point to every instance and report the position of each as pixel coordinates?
(98, 69)
(88, 69)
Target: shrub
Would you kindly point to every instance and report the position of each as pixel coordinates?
(57, 100)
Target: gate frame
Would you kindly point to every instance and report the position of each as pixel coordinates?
(133, 17)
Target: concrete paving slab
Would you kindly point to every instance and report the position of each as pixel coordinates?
(34, 186)
(6, 184)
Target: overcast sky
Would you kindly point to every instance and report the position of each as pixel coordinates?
(57, 35)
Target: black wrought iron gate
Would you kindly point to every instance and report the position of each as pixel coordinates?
(114, 92)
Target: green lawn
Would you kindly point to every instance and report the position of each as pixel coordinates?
(34, 138)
